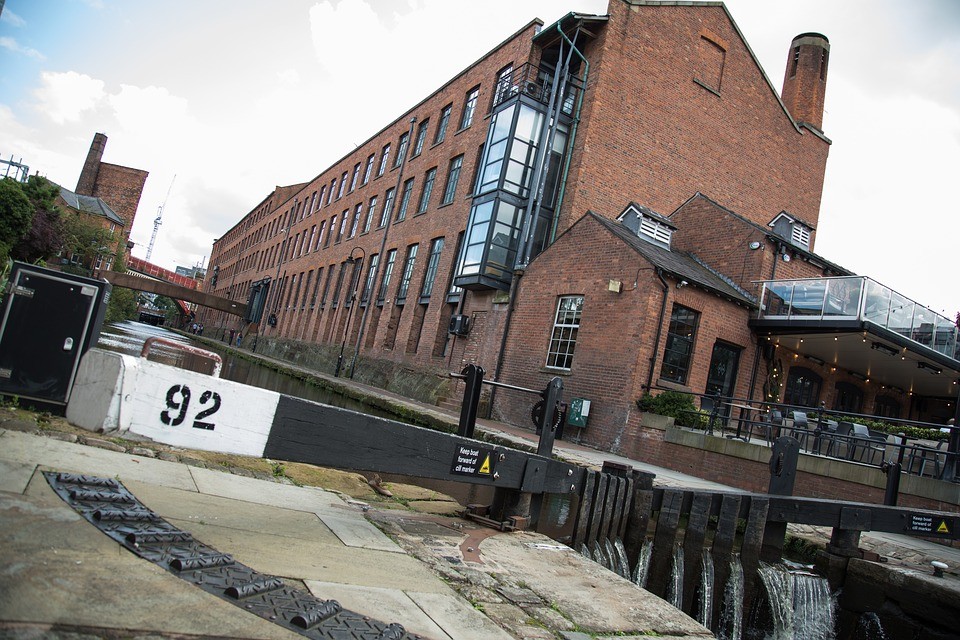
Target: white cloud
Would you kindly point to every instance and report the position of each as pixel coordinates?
(63, 97)
(12, 45)
(148, 109)
(12, 19)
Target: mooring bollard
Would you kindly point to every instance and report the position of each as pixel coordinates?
(471, 400)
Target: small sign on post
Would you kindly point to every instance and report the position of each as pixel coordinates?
(469, 460)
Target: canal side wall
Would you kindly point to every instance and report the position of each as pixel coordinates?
(418, 384)
(746, 466)
(908, 604)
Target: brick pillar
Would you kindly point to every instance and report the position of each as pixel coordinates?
(805, 81)
(88, 176)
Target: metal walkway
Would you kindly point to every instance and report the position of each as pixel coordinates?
(108, 505)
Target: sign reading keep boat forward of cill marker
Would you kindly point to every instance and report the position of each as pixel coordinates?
(470, 460)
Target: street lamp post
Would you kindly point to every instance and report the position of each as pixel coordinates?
(353, 303)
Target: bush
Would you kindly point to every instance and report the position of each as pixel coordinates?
(889, 428)
(676, 405)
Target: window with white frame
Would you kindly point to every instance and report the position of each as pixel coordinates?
(563, 339)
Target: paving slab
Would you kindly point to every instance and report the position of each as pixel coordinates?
(594, 599)
(55, 568)
(77, 458)
(382, 603)
(277, 494)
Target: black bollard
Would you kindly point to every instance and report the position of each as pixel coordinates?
(471, 400)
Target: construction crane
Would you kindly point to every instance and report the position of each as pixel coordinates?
(158, 220)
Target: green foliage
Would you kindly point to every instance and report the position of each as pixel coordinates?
(87, 240)
(44, 238)
(676, 405)
(895, 429)
(16, 215)
(122, 305)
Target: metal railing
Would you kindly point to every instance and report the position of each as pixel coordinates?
(832, 434)
(859, 298)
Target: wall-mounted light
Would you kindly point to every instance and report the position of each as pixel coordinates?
(756, 244)
(682, 284)
(615, 285)
(785, 257)
(815, 359)
(929, 367)
(858, 376)
(879, 346)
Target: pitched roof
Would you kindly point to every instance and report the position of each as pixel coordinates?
(682, 265)
(90, 204)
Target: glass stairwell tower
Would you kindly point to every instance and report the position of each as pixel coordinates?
(515, 200)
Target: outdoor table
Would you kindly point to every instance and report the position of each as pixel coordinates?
(745, 410)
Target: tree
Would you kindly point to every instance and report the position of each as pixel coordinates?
(83, 241)
(45, 236)
(16, 215)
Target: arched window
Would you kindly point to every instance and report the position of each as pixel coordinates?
(802, 388)
(849, 398)
(886, 407)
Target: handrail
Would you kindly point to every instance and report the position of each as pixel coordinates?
(217, 360)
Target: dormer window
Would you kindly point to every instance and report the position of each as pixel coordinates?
(655, 231)
(793, 230)
(648, 224)
(801, 235)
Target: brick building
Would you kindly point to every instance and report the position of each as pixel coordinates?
(619, 200)
(119, 186)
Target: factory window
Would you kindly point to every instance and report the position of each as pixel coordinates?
(679, 348)
(563, 338)
(453, 177)
(442, 124)
(421, 136)
(469, 106)
(427, 190)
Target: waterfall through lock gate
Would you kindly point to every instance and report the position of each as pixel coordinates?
(705, 608)
(731, 611)
(675, 587)
(801, 606)
(642, 570)
(869, 628)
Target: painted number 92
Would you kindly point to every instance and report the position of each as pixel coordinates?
(178, 404)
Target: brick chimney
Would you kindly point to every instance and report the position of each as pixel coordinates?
(805, 82)
(88, 176)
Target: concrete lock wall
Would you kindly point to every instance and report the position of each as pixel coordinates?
(116, 393)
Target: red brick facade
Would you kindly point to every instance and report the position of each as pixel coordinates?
(120, 187)
(675, 104)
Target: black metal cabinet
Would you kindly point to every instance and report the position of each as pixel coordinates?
(50, 319)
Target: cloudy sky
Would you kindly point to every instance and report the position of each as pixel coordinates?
(232, 98)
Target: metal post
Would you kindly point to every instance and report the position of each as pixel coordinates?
(785, 453)
(471, 400)
(551, 417)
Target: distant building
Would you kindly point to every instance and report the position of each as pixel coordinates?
(95, 211)
(120, 187)
(621, 200)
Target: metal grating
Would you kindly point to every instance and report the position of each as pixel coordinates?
(109, 506)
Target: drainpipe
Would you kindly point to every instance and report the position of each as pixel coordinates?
(656, 342)
(573, 131)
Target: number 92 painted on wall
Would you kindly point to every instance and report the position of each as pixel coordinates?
(178, 408)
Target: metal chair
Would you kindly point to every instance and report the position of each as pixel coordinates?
(866, 442)
(921, 456)
(800, 428)
(839, 438)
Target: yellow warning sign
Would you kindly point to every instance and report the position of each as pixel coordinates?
(943, 528)
(485, 467)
